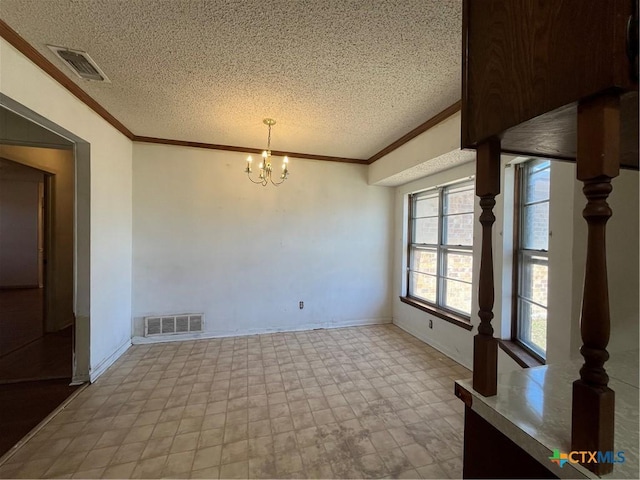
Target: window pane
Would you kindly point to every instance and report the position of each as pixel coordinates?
(533, 326)
(535, 273)
(425, 261)
(537, 182)
(535, 231)
(459, 200)
(425, 230)
(537, 165)
(458, 230)
(458, 296)
(458, 266)
(423, 286)
(426, 206)
(438, 262)
(533, 270)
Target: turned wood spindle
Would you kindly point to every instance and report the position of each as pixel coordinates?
(598, 161)
(485, 346)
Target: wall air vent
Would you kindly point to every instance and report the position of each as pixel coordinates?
(80, 63)
(173, 324)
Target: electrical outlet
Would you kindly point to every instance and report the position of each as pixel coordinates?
(301, 305)
(430, 323)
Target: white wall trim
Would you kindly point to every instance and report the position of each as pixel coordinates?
(94, 373)
(429, 341)
(259, 331)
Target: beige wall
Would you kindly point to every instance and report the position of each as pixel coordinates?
(60, 164)
(206, 239)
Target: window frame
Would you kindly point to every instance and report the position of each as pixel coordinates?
(519, 252)
(439, 308)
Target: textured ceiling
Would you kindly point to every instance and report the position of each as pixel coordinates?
(342, 78)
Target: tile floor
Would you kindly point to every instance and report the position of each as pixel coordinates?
(362, 402)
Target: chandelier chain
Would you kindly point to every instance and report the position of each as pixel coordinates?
(269, 139)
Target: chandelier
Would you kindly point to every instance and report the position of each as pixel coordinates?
(266, 169)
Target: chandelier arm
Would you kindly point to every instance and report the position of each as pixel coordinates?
(277, 183)
(261, 182)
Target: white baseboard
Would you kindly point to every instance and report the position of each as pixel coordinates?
(429, 341)
(94, 373)
(258, 331)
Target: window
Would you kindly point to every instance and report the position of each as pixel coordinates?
(440, 247)
(531, 270)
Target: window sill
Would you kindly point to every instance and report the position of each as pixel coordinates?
(520, 355)
(444, 315)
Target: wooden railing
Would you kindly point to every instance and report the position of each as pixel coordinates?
(598, 161)
(553, 79)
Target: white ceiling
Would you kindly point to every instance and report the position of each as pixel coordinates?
(342, 78)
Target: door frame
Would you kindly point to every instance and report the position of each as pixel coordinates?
(82, 234)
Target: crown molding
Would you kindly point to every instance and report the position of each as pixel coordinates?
(432, 122)
(24, 47)
(256, 151)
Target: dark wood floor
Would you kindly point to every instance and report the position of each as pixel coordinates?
(35, 368)
(24, 405)
(47, 358)
(21, 317)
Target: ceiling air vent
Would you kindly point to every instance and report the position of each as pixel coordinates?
(80, 63)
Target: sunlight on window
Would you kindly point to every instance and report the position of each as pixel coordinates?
(532, 258)
(440, 251)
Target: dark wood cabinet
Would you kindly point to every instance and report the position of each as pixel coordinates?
(527, 64)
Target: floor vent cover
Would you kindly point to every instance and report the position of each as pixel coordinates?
(173, 324)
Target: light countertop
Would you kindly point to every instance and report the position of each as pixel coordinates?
(533, 409)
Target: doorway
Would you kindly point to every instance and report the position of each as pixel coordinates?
(22, 213)
(36, 301)
(37, 274)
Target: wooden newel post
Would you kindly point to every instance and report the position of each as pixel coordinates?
(598, 161)
(485, 346)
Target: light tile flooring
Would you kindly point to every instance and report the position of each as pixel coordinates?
(362, 402)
